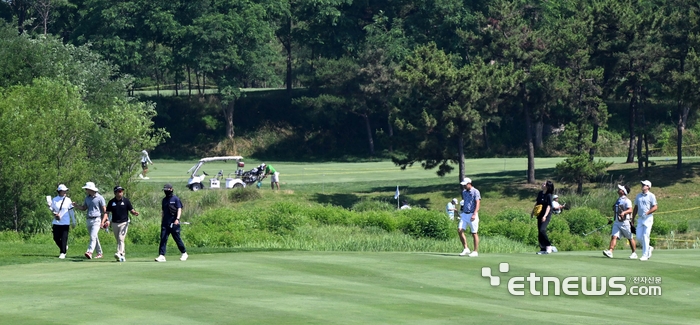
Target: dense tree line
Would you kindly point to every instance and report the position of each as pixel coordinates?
(432, 77)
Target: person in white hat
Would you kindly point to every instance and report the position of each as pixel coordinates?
(556, 206)
(451, 208)
(622, 226)
(96, 210)
(61, 206)
(469, 217)
(644, 207)
(145, 160)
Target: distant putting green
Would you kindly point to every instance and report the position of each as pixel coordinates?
(285, 287)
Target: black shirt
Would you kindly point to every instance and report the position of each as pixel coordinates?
(546, 200)
(119, 209)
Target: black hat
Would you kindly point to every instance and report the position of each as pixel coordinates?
(167, 187)
(118, 188)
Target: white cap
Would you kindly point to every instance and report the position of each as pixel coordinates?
(647, 183)
(61, 187)
(555, 197)
(624, 189)
(90, 186)
(454, 201)
(144, 152)
(465, 181)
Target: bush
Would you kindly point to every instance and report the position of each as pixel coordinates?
(381, 219)
(584, 220)
(10, 237)
(564, 241)
(682, 227)
(661, 227)
(329, 215)
(372, 205)
(244, 194)
(423, 223)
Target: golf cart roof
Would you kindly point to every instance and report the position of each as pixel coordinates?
(220, 158)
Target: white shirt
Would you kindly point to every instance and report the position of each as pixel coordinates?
(556, 207)
(63, 210)
(145, 158)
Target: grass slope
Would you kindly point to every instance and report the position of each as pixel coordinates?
(337, 288)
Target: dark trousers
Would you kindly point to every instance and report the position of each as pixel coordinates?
(166, 231)
(542, 232)
(60, 236)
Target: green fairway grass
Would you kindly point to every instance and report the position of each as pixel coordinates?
(296, 287)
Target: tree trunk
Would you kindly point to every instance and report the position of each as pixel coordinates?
(485, 134)
(579, 185)
(591, 152)
(189, 82)
(460, 146)
(228, 113)
(633, 114)
(530, 147)
(646, 153)
(682, 119)
(370, 139)
(539, 126)
(391, 132)
(288, 47)
(640, 165)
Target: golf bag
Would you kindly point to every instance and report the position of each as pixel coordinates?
(252, 176)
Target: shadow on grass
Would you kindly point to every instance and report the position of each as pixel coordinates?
(659, 175)
(508, 183)
(346, 200)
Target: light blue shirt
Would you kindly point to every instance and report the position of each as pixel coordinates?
(450, 210)
(644, 202)
(470, 197)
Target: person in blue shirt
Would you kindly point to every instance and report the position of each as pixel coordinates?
(469, 217)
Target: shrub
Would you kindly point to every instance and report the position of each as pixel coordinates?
(10, 237)
(144, 233)
(329, 215)
(564, 241)
(381, 219)
(423, 223)
(244, 194)
(584, 220)
(661, 227)
(682, 227)
(372, 205)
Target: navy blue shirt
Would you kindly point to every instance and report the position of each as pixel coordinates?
(170, 205)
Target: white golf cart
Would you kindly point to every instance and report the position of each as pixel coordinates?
(196, 182)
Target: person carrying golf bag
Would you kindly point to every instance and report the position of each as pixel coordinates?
(622, 226)
(543, 211)
(170, 224)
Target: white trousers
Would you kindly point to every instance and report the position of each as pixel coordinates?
(93, 228)
(644, 233)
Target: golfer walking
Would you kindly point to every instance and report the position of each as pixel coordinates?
(644, 207)
(469, 218)
(170, 224)
(543, 210)
(63, 218)
(120, 207)
(145, 160)
(622, 226)
(96, 215)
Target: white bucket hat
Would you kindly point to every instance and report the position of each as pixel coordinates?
(61, 187)
(90, 186)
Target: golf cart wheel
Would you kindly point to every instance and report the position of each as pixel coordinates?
(196, 187)
(238, 185)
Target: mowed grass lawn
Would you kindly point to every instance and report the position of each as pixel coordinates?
(296, 287)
